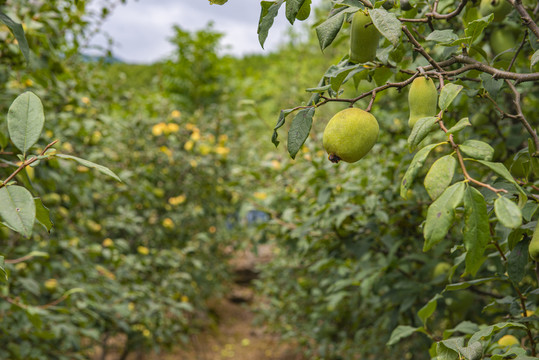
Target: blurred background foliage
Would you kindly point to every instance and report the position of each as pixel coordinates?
(129, 267)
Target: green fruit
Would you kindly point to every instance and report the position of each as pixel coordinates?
(500, 8)
(218, 2)
(304, 11)
(533, 248)
(422, 99)
(502, 40)
(388, 4)
(441, 269)
(350, 135)
(363, 38)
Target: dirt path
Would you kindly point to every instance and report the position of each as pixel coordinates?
(236, 336)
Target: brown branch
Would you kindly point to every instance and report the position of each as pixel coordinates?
(437, 16)
(525, 312)
(26, 163)
(522, 118)
(420, 49)
(496, 73)
(18, 260)
(522, 43)
(369, 107)
(525, 17)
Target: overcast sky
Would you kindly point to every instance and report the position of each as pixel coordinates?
(141, 28)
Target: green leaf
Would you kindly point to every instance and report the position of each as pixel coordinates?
(299, 130)
(459, 126)
(477, 149)
(280, 123)
(448, 93)
(387, 23)
(42, 215)
(534, 59)
(414, 167)
(491, 85)
(442, 36)
(328, 30)
(401, 332)
(441, 214)
(428, 309)
(91, 165)
(473, 351)
(476, 230)
(18, 209)
(467, 284)
(507, 212)
(501, 170)
(268, 12)
(517, 261)
(420, 130)
(3, 269)
(25, 121)
(338, 75)
(476, 27)
(292, 8)
(440, 176)
(445, 352)
(18, 32)
(487, 332)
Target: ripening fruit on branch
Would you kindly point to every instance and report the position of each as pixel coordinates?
(350, 134)
(508, 340)
(363, 38)
(533, 248)
(422, 99)
(500, 8)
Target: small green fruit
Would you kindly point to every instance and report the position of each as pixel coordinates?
(441, 268)
(502, 40)
(350, 135)
(363, 38)
(533, 248)
(500, 8)
(422, 99)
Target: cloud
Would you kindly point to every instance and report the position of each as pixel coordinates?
(141, 29)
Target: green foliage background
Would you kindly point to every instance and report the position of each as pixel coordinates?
(135, 262)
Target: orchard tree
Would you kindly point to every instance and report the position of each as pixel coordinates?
(469, 69)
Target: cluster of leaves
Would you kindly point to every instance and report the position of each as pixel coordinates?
(476, 207)
(119, 266)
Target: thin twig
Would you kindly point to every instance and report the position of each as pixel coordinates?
(420, 49)
(522, 118)
(525, 17)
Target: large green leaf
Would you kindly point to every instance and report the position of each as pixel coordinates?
(501, 170)
(299, 130)
(440, 176)
(476, 232)
(280, 123)
(507, 212)
(387, 23)
(441, 214)
(448, 93)
(464, 122)
(328, 30)
(18, 32)
(414, 167)
(268, 12)
(517, 261)
(428, 309)
(488, 331)
(476, 27)
(420, 130)
(25, 120)
(17, 209)
(292, 8)
(400, 332)
(477, 149)
(90, 164)
(43, 215)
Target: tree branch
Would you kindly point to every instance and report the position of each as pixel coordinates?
(520, 116)
(525, 17)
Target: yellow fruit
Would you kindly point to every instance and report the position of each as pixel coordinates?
(533, 248)
(422, 99)
(500, 8)
(363, 38)
(304, 11)
(350, 135)
(51, 284)
(508, 340)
